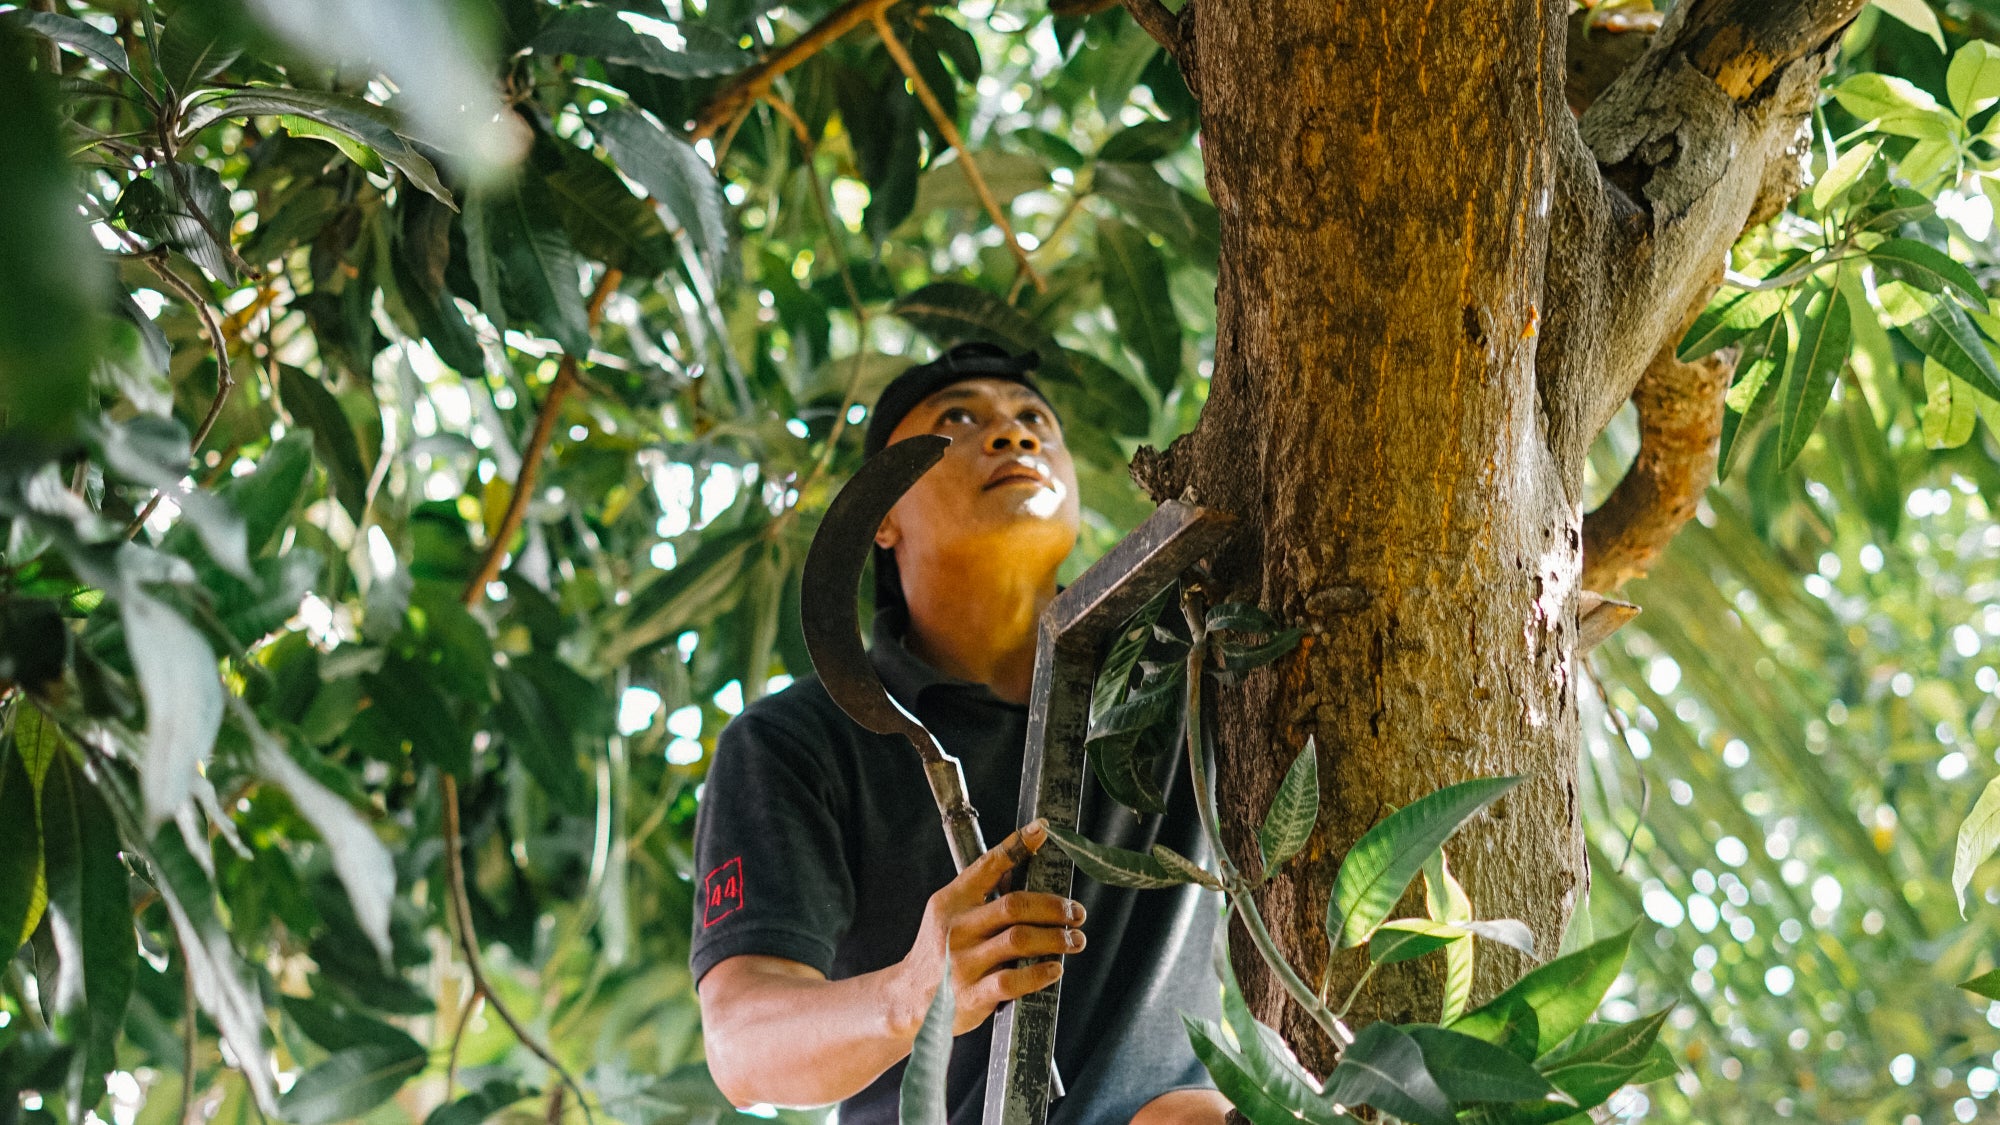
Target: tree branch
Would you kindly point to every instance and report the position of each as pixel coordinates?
(531, 458)
(949, 128)
(225, 381)
(1680, 426)
(1698, 137)
(1169, 29)
(741, 92)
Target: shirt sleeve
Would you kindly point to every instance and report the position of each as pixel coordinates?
(771, 873)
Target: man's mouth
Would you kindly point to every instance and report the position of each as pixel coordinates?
(1017, 473)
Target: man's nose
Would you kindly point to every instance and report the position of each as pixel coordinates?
(1010, 436)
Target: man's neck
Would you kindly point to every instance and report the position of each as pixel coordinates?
(988, 638)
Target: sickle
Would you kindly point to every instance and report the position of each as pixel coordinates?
(831, 621)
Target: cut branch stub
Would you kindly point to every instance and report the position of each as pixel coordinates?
(1680, 428)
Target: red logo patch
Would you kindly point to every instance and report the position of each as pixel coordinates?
(722, 892)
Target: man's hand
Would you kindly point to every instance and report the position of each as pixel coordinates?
(986, 938)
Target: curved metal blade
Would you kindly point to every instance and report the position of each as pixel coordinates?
(829, 614)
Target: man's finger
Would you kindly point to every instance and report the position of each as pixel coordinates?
(995, 989)
(983, 874)
(1019, 943)
(1019, 908)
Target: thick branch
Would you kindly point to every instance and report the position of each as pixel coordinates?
(1693, 141)
(1680, 426)
(741, 92)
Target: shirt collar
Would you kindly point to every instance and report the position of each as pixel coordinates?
(907, 676)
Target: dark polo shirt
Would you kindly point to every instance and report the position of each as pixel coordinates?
(818, 842)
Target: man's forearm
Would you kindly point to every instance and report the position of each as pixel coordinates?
(784, 1035)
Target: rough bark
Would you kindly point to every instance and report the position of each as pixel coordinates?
(1431, 298)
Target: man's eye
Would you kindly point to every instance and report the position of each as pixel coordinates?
(957, 416)
(1033, 417)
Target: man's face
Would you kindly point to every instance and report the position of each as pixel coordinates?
(1007, 473)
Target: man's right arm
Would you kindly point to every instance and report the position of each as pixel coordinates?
(778, 1031)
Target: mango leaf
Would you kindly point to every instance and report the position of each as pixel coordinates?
(1985, 984)
(540, 275)
(681, 597)
(684, 50)
(922, 1101)
(265, 498)
(74, 34)
(1603, 1057)
(1562, 995)
(1266, 1096)
(1825, 334)
(183, 207)
(1950, 407)
(1973, 79)
(1190, 872)
(1893, 104)
(1156, 700)
(351, 1082)
(1135, 287)
(183, 693)
(949, 312)
(478, 1106)
(1733, 313)
(23, 894)
(1114, 867)
(1395, 941)
(1188, 224)
(1977, 838)
(90, 894)
(1446, 901)
(1238, 658)
(1917, 14)
(1927, 268)
(1128, 771)
(1945, 334)
(1240, 617)
(1114, 675)
(1473, 1070)
(1294, 810)
(602, 217)
(1844, 173)
(361, 121)
(1755, 391)
(313, 406)
(1385, 859)
(359, 858)
(1509, 932)
(1385, 1068)
(674, 174)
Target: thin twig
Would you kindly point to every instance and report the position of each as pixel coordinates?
(190, 1041)
(733, 100)
(1624, 737)
(468, 946)
(949, 129)
(531, 458)
(1069, 213)
(224, 380)
(466, 1015)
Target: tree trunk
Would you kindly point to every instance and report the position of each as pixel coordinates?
(1430, 300)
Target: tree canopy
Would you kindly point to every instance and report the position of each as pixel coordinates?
(415, 415)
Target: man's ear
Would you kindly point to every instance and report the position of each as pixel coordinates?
(888, 535)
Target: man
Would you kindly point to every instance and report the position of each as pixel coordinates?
(828, 896)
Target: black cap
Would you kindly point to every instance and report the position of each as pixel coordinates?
(958, 364)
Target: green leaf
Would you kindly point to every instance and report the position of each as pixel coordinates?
(683, 50)
(1385, 859)
(950, 312)
(922, 1101)
(1157, 700)
(1977, 838)
(478, 1106)
(1927, 268)
(1733, 314)
(1603, 1057)
(1238, 658)
(1917, 14)
(196, 223)
(1189, 871)
(1562, 995)
(1825, 333)
(1145, 142)
(1446, 901)
(1395, 941)
(1509, 932)
(1266, 1097)
(1114, 867)
(1889, 101)
(1135, 287)
(1473, 1070)
(692, 592)
(265, 498)
(183, 693)
(351, 1082)
(1189, 225)
(540, 274)
(23, 895)
(1755, 391)
(359, 858)
(1114, 675)
(674, 174)
(1294, 810)
(1843, 174)
(361, 121)
(90, 892)
(1385, 1068)
(74, 34)
(1241, 617)
(1950, 407)
(542, 741)
(602, 217)
(1129, 770)
(1008, 175)
(313, 406)
(1945, 334)
(1985, 984)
